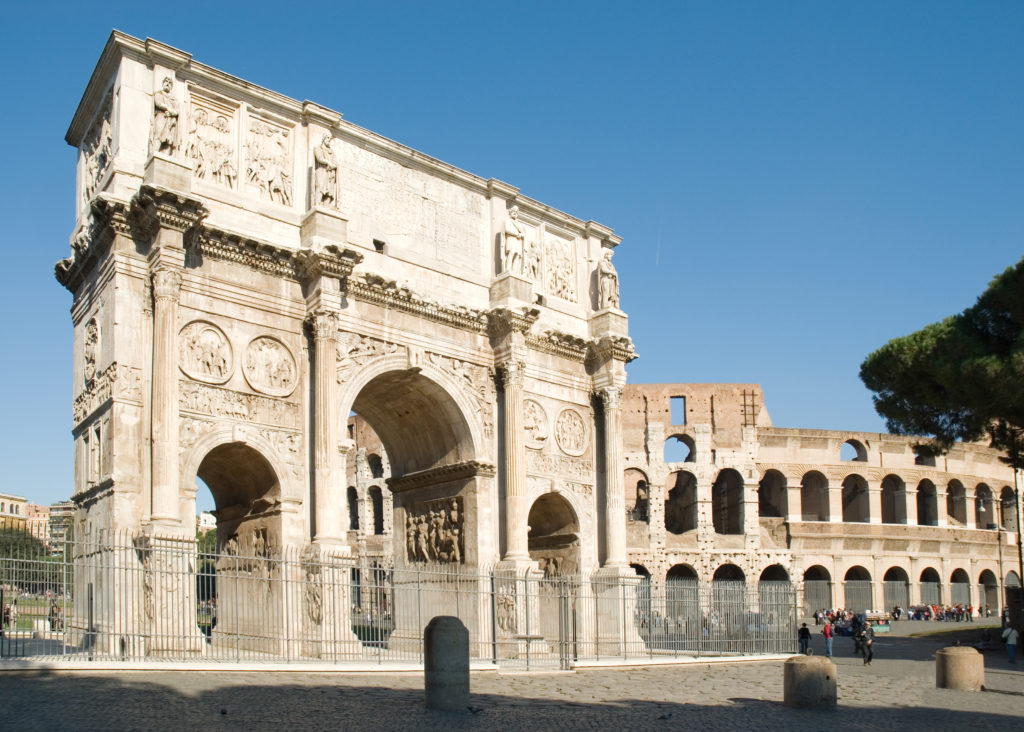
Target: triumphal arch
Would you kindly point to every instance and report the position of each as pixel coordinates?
(248, 270)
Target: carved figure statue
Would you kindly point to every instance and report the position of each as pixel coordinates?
(513, 243)
(325, 174)
(434, 532)
(165, 119)
(531, 261)
(609, 281)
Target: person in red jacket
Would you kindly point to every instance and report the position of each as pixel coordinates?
(827, 632)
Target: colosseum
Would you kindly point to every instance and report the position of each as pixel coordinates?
(714, 491)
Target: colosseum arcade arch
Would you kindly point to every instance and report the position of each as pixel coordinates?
(896, 588)
(773, 495)
(856, 506)
(931, 587)
(814, 497)
(894, 500)
(858, 589)
(956, 503)
(727, 502)
(681, 502)
(817, 589)
(988, 590)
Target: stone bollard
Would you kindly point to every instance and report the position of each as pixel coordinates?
(809, 682)
(446, 664)
(959, 667)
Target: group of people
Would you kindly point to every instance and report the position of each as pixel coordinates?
(860, 628)
(956, 613)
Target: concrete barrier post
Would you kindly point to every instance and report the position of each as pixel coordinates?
(446, 664)
(959, 667)
(810, 682)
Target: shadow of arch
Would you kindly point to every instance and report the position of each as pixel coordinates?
(419, 413)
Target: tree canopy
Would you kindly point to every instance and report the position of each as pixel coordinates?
(961, 378)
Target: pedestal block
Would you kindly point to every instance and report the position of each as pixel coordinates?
(809, 682)
(959, 667)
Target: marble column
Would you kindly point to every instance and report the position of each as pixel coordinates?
(164, 419)
(329, 497)
(516, 510)
(614, 494)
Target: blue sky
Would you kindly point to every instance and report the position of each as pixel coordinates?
(795, 183)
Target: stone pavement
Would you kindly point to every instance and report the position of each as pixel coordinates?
(895, 693)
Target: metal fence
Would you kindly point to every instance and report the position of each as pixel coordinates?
(143, 598)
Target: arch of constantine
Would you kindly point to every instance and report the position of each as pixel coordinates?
(366, 353)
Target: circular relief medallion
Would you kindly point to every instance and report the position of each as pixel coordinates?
(269, 367)
(571, 432)
(535, 424)
(205, 353)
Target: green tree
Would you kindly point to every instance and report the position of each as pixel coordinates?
(961, 378)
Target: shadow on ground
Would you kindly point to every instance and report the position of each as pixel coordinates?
(49, 701)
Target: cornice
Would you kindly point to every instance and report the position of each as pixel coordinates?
(154, 207)
(388, 294)
(502, 321)
(106, 214)
(330, 261)
(443, 474)
(619, 348)
(555, 343)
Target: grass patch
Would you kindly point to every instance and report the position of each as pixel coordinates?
(973, 632)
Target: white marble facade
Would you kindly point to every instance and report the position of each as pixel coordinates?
(248, 269)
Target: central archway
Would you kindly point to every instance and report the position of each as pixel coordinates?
(554, 540)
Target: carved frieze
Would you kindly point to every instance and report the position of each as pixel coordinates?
(269, 161)
(355, 350)
(571, 432)
(205, 353)
(478, 382)
(535, 424)
(210, 145)
(190, 430)
(269, 367)
(434, 531)
(218, 402)
(538, 463)
(560, 267)
(90, 349)
(97, 149)
(114, 382)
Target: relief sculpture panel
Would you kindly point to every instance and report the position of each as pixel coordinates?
(205, 353)
(269, 161)
(97, 148)
(434, 532)
(571, 432)
(355, 350)
(560, 267)
(211, 142)
(478, 382)
(535, 424)
(269, 367)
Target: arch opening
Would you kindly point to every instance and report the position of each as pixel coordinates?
(956, 503)
(988, 591)
(553, 540)
(896, 588)
(856, 508)
(814, 497)
(858, 589)
(773, 495)
(853, 450)
(817, 589)
(638, 495)
(931, 587)
(680, 449)
(681, 503)
(894, 500)
(1008, 509)
(927, 504)
(960, 587)
(727, 502)
(984, 515)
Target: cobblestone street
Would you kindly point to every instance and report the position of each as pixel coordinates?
(895, 693)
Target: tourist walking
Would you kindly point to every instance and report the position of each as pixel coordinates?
(866, 639)
(1011, 635)
(804, 635)
(827, 632)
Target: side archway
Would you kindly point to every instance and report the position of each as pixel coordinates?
(554, 540)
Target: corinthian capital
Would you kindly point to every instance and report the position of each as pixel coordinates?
(611, 397)
(323, 323)
(513, 372)
(166, 283)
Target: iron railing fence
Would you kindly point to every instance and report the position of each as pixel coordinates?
(137, 597)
